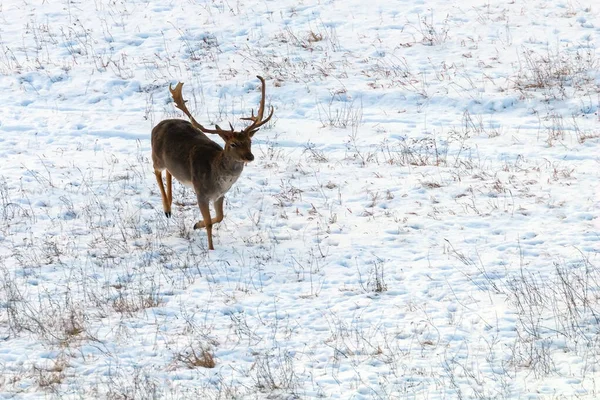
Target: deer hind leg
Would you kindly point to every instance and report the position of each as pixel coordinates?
(207, 222)
(169, 188)
(165, 200)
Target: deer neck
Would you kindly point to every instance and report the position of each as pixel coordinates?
(229, 164)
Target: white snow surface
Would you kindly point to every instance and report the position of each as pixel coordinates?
(420, 221)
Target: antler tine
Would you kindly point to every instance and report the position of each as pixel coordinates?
(180, 103)
(251, 118)
(257, 121)
(178, 99)
(261, 109)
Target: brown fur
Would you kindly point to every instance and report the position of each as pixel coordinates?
(183, 150)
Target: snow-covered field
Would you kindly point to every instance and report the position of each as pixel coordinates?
(420, 222)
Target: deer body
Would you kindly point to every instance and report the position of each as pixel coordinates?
(184, 151)
(209, 170)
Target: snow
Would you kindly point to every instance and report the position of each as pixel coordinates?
(420, 221)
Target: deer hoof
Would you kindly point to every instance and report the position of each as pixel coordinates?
(199, 224)
(168, 214)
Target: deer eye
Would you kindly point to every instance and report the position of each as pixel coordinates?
(233, 144)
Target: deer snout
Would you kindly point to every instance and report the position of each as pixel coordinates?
(249, 157)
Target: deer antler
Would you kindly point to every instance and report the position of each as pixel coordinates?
(257, 121)
(180, 103)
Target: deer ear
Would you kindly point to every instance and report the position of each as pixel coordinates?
(225, 135)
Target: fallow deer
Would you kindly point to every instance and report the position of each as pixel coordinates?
(183, 150)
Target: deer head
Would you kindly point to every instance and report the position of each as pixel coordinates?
(237, 143)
